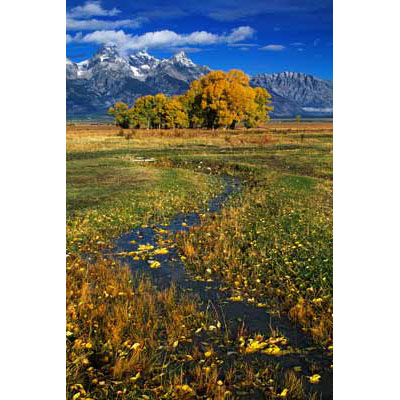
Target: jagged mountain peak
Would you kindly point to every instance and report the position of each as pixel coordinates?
(141, 63)
(108, 52)
(142, 54)
(143, 57)
(288, 75)
(108, 48)
(182, 58)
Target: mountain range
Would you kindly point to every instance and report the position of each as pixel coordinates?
(95, 84)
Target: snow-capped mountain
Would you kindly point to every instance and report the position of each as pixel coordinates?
(102, 68)
(110, 77)
(180, 67)
(95, 84)
(142, 63)
(108, 64)
(173, 75)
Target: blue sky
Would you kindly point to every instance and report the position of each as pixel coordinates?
(253, 35)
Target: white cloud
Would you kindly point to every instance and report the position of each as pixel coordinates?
(69, 39)
(100, 37)
(273, 47)
(239, 34)
(91, 9)
(164, 38)
(96, 24)
(198, 37)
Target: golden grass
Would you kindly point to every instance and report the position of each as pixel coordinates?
(128, 340)
(103, 137)
(116, 325)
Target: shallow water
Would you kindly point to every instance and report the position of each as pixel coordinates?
(235, 314)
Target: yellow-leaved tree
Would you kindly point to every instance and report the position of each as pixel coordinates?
(143, 112)
(121, 114)
(217, 100)
(159, 112)
(222, 100)
(176, 115)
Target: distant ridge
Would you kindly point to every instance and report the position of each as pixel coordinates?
(297, 93)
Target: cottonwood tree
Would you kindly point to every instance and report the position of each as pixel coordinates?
(176, 115)
(143, 112)
(222, 100)
(121, 113)
(160, 111)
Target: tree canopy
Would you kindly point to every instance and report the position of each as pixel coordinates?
(216, 100)
(121, 113)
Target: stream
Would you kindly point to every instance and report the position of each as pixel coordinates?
(234, 314)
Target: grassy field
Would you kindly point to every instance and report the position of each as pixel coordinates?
(271, 245)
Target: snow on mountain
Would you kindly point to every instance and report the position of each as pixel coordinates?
(141, 63)
(182, 59)
(142, 58)
(110, 77)
(138, 66)
(179, 67)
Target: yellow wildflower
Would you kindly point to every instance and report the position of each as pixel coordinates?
(284, 393)
(235, 298)
(315, 378)
(155, 264)
(135, 378)
(135, 346)
(162, 250)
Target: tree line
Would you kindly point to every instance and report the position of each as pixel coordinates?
(217, 100)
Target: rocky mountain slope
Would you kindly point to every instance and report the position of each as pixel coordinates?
(297, 93)
(95, 84)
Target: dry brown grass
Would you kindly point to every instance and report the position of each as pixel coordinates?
(128, 340)
(103, 137)
(116, 324)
